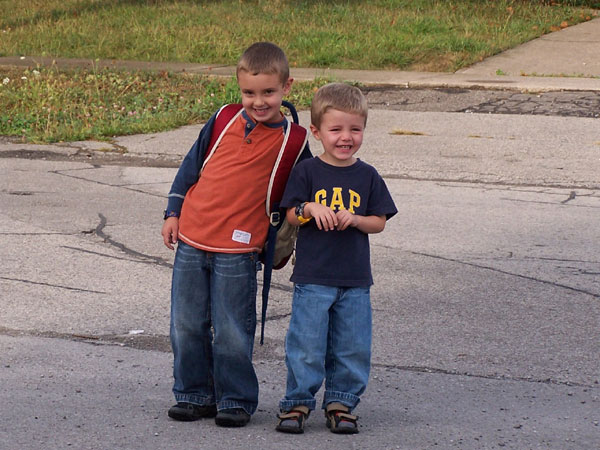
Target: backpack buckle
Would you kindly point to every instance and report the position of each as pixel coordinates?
(275, 218)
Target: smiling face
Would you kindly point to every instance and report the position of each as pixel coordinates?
(262, 95)
(341, 135)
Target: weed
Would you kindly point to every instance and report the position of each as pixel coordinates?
(50, 105)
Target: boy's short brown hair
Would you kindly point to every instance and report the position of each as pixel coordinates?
(340, 96)
(264, 57)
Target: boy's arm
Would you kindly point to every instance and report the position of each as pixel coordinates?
(186, 177)
(366, 224)
(324, 217)
(189, 171)
(379, 209)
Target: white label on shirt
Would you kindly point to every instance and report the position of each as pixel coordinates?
(241, 236)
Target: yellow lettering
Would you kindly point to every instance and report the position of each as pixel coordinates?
(354, 201)
(321, 197)
(337, 202)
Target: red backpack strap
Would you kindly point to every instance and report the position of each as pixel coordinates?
(223, 119)
(294, 142)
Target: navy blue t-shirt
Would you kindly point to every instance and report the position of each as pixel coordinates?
(336, 258)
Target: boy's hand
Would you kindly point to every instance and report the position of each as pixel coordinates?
(170, 231)
(346, 219)
(324, 216)
(366, 224)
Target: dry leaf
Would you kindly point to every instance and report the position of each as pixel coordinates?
(406, 133)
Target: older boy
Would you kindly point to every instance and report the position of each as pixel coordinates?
(339, 200)
(219, 222)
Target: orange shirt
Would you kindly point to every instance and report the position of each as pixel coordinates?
(225, 211)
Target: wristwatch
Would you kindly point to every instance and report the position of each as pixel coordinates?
(168, 214)
(300, 213)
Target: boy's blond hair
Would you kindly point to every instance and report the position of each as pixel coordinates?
(340, 96)
(264, 57)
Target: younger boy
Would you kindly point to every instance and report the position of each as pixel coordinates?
(338, 200)
(220, 223)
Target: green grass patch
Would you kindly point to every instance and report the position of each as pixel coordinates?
(392, 34)
(50, 105)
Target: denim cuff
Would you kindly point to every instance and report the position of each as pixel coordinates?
(196, 399)
(288, 405)
(350, 400)
(228, 404)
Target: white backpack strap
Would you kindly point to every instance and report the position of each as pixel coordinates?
(280, 156)
(211, 151)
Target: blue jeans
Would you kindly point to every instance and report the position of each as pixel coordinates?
(329, 339)
(214, 293)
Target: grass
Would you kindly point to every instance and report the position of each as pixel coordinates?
(51, 105)
(431, 35)
(47, 105)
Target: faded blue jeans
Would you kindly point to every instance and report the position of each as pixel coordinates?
(214, 292)
(329, 339)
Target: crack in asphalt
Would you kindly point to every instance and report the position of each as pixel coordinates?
(99, 231)
(562, 260)
(539, 202)
(91, 252)
(144, 258)
(512, 257)
(394, 176)
(572, 196)
(534, 189)
(422, 369)
(58, 286)
(35, 234)
(62, 173)
(494, 269)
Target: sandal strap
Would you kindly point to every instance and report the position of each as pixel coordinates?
(345, 416)
(340, 412)
(336, 406)
(295, 413)
(290, 415)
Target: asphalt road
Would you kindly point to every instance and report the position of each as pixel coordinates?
(556, 103)
(486, 297)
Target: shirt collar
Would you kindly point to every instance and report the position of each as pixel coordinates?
(251, 124)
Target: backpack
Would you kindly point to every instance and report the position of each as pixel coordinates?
(281, 237)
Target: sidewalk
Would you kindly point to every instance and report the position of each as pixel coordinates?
(564, 60)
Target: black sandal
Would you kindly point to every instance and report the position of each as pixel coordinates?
(293, 420)
(339, 419)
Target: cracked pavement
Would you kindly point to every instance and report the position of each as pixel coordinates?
(486, 300)
(555, 103)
